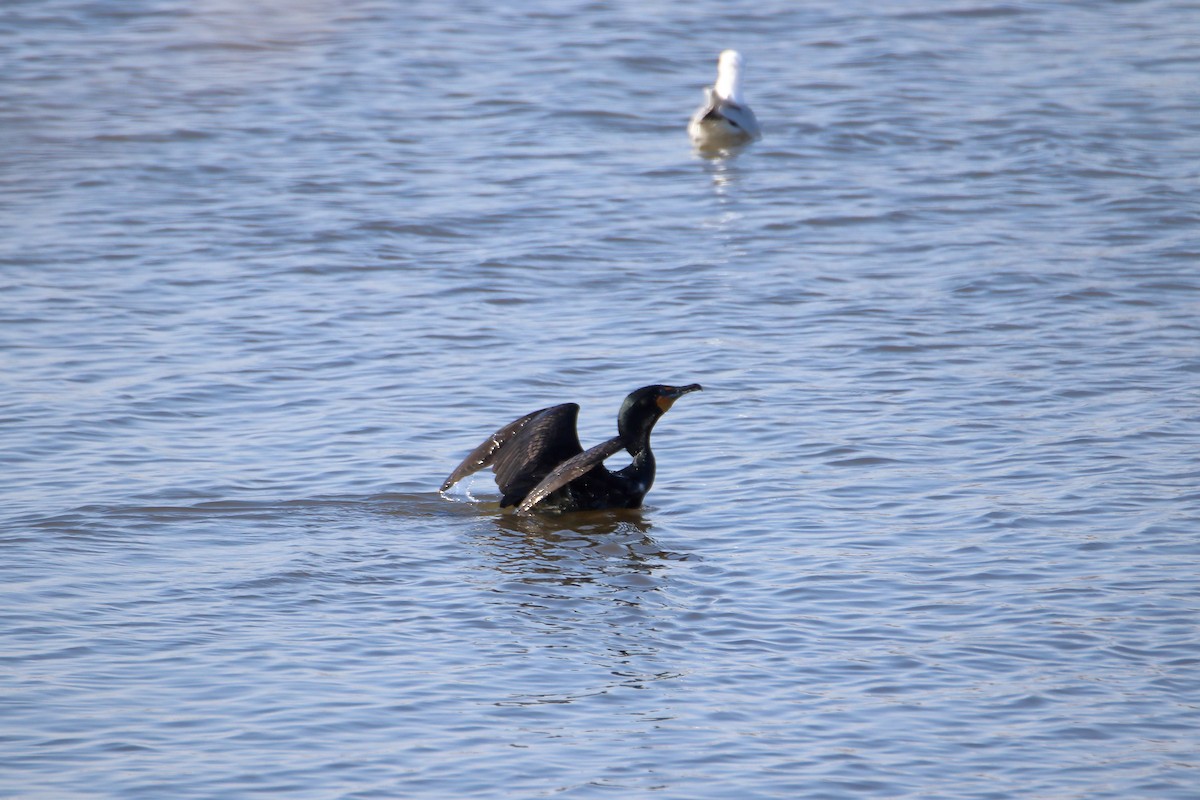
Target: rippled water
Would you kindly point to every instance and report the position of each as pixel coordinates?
(270, 269)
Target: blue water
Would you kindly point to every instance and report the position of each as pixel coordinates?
(270, 269)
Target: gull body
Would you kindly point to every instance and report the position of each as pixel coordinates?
(725, 120)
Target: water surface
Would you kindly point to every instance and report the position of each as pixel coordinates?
(271, 269)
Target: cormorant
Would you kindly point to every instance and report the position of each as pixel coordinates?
(724, 120)
(539, 462)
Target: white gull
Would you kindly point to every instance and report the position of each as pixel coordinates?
(724, 120)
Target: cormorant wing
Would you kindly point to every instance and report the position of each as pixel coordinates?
(569, 470)
(485, 454)
(524, 451)
(548, 439)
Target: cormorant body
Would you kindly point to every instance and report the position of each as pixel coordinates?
(724, 120)
(539, 462)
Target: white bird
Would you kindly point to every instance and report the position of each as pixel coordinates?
(724, 120)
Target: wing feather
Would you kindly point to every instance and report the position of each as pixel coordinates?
(524, 451)
(542, 444)
(485, 454)
(569, 470)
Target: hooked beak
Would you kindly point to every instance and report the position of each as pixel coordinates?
(672, 393)
(680, 391)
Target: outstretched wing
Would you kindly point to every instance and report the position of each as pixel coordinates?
(569, 470)
(546, 441)
(524, 451)
(485, 454)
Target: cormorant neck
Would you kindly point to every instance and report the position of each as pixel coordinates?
(641, 470)
(635, 433)
(640, 447)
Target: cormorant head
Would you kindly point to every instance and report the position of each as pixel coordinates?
(643, 407)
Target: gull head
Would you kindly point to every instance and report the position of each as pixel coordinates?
(729, 76)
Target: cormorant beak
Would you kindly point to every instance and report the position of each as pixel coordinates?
(672, 393)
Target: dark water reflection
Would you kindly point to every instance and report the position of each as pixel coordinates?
(607, 558)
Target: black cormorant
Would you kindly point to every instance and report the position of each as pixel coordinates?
(540, 464)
